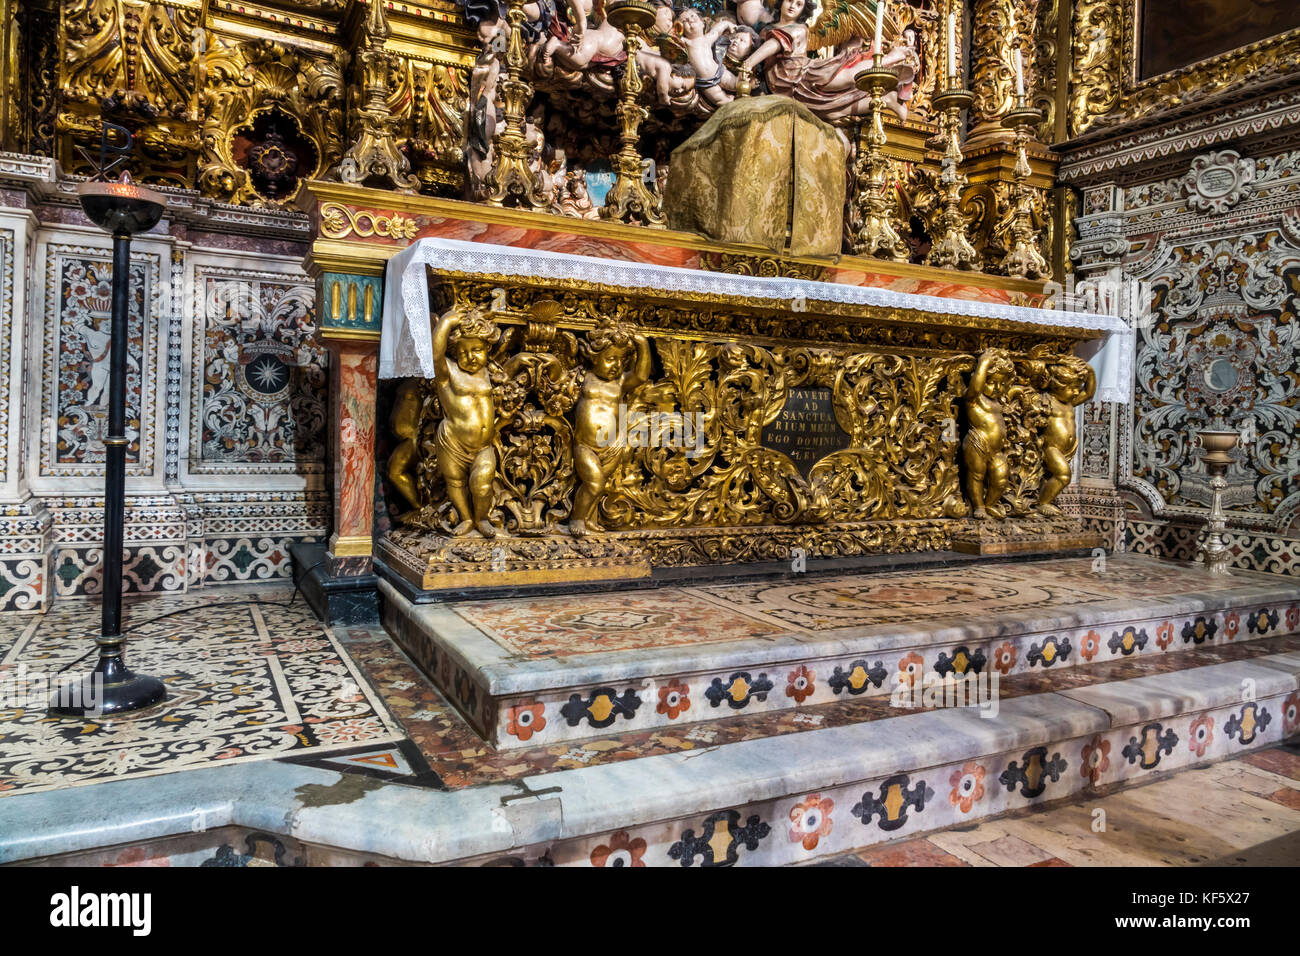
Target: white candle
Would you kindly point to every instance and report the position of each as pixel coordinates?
(880, 22)
(1020, 74)
(952, 45)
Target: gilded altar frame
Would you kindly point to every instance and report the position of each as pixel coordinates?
(1105, 48)
(896, 377)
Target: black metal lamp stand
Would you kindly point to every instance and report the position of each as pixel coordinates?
(122, 208)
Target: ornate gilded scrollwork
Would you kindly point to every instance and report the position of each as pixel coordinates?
(1098, 66)
(338, 221)
(1105, 88)
(291, 93)
(770, 266)
(999, 28)
(1045, 56)
(1257, 64)
(132, 62)
(374, 158)
(900, 413)
(30, 74)
(587, 416)
(430, 100)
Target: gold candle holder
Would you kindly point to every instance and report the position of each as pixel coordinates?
(1023, 258)
(629, 200)
(877, 235)
(1214, 550)
(511, 179)
(951, 249)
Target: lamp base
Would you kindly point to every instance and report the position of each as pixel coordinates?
(109, 690)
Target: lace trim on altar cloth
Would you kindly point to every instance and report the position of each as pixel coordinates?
(406, 342)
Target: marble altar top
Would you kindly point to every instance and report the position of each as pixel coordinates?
(406, 347)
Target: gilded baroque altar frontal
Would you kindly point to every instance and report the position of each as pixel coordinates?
(564, 417)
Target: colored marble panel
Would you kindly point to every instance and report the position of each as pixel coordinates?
(546, 627)
(351, 302)
(355, 369)
(75, 388)
(260, 395)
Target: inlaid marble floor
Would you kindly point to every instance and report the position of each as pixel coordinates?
(1240, 812)
(256, 682)
(569, 625)
(245, 681)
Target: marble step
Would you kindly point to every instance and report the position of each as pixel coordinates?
(536, 671)
(798, 797)
(774, 800)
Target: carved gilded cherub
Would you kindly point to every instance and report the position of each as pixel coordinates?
(405, 422)
(1067, 381)
(466, 457)
(987, 472)
(598, 441)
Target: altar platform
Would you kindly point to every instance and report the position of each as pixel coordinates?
(287, 742)
(534, 670)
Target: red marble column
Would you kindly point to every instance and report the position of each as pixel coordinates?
(353, 374)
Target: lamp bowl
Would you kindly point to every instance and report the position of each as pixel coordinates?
(1217, 443)
(121, 207)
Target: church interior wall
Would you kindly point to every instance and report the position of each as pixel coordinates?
(1189, 191)
(226, 405)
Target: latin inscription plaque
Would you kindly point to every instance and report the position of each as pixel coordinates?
(806, 430)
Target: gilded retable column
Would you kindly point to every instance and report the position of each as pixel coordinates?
(998, 29)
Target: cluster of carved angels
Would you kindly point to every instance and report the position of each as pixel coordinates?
(694, 61)
(691, 62)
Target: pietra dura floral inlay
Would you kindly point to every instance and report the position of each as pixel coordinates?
(75, 396)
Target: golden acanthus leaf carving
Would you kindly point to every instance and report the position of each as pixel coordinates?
(140, 54)
(691, 451)
(1097, 62)
(998, 26)
(429, 101)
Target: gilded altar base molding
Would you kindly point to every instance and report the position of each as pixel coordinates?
(1020, 536)
(575, 433)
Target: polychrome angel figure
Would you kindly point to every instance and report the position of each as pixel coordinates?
(826, 86)
(578, 46)
(701, 47)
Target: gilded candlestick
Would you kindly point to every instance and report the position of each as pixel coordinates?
(951, 249)
(1023, 257)
(511, 177)
(629, 199)
(877, 235)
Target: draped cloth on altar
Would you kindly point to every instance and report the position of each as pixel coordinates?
(762, 171)
(406, 340)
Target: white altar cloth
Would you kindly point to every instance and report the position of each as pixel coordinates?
(406, 346)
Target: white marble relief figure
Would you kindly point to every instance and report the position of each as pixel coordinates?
(97, 344)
